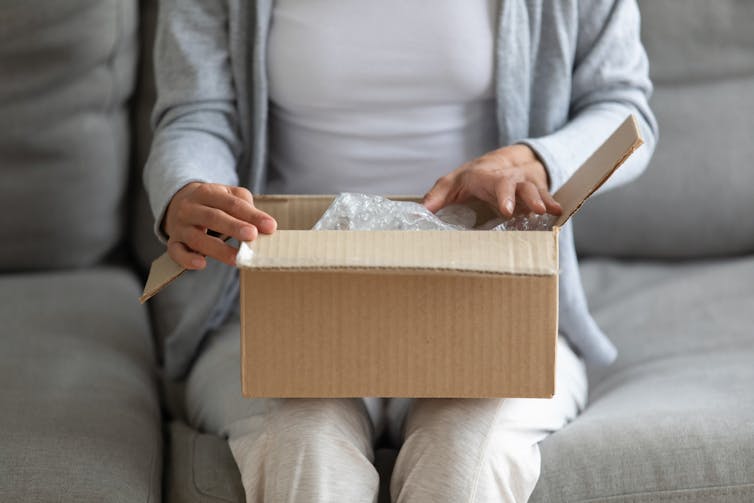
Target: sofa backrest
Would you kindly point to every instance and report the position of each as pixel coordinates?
(696, 199)
(144, 244)
(66, 71)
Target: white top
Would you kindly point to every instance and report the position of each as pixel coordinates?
(378, 96)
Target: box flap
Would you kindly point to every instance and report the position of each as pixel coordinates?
(164, 270)
(512, 252)
(598, 168)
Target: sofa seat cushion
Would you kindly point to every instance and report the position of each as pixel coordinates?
(673, 418)
(80, 417)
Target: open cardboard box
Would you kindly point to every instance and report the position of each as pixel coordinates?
(400, 313)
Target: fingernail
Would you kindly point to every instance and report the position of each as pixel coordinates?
(198, 263)
(509, 205)
(267, 225)
(247, 234)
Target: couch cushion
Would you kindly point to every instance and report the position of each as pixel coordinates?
(696, 198)
(673, 418)
(67, 71)
(144, 243)
(201, 468)
(80, 417)
(697, 40)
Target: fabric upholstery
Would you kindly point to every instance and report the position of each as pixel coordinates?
(67, 70)
(142, 240)
(698, 40)
(696, 197)
(80, 417)
(202, 469)
(673, 418)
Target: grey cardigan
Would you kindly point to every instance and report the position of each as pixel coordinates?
(567, 73)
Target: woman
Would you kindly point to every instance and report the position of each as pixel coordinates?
(500, 99)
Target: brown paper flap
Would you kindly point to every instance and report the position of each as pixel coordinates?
(164, 270)
(598, 168)
(512, 252)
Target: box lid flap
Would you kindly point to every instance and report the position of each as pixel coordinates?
(598, 168)
(530, 253)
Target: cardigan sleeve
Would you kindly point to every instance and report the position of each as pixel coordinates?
(610, 81)
(195, 121)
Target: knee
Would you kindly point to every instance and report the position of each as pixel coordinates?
(314, 422)
(449, 425)
(457, 452)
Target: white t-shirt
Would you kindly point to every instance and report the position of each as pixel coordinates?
(380, 96)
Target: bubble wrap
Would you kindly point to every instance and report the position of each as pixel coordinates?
(532, 222)
(363, 212)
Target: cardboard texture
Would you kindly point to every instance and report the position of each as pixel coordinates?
(397, 313)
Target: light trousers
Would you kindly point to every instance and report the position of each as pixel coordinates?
(321, 450)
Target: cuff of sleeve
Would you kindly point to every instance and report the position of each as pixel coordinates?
(172, 164)
(551, 158)
(161, 202)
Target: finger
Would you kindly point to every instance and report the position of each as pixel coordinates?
(221, 223)
(184, 257)
(223, 199)
(553, 207)
(438, 195)
(241, 192)
(529, 194)
(505, 194)
(267, 225)
(200, 242)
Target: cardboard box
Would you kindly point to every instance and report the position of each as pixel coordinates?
(401, 313)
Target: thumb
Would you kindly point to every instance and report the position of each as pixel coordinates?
(438, 194)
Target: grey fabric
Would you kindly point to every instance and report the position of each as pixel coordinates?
(697, 197)
(673, 418)
(144, 243)
(190, 300)
(201, 468)
(698, 40)
(80, 417)
(67, 70)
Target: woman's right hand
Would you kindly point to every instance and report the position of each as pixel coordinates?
(200, 207)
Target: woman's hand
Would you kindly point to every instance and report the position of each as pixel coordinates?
(511, 179)
(200, 207)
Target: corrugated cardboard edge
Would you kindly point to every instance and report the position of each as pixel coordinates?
(491, 252)
(164, 270)
(557, 316)
(587, 179)
(597, 169)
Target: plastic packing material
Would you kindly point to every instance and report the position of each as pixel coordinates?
(365, 212)
(531, 222)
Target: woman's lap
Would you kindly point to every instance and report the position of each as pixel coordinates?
(214, 403)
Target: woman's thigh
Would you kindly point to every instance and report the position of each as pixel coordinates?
(535, 417)
(214, 401)
(483, 449)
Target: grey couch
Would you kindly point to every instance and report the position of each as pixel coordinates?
(668, 265)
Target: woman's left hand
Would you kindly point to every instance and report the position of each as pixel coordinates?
(511, 179)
